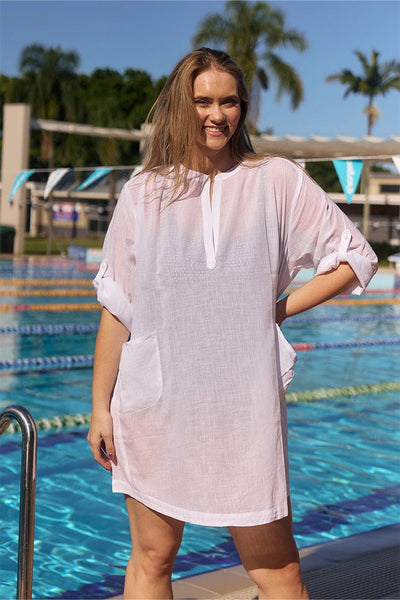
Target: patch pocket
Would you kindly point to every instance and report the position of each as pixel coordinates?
(140, 376)
(286, 358)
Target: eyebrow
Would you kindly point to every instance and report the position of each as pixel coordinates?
(225, 99)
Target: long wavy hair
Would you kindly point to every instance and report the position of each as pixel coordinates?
(174, 123)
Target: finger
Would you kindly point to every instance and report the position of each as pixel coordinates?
(107, 452)
(99, 456)
(110, 450)
(105, 458)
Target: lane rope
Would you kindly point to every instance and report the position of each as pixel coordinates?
(63, 329)
(95, 306)
(47, 292)
(364, 301)
(349, 390)
(306, 347)
(65, 421)
(61, 422)
(360, 319)
(71, 328)
(48, 363)
(395, 290)
(46, 282)
(50, 307)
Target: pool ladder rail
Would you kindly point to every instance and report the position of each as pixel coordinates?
(27, 494)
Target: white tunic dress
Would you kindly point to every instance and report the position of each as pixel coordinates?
(198, 408)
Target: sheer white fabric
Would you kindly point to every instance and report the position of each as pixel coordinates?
(198, 407)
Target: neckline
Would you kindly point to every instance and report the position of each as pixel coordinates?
(222, 175)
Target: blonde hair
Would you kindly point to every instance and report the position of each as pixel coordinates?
(174, 120)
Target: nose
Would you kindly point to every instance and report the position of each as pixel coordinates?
(217, 114)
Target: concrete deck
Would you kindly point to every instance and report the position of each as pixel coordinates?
(363, 566)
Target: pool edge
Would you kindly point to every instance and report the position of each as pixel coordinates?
(346, 566)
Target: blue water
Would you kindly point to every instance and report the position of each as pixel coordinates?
(344, 465)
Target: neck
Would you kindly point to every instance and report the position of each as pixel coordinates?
(212, 164)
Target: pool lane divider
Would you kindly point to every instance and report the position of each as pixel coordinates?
(84, 361)
(96, 306)
(45, 282)
(51, 307)
(359, 319)
(68, 421)
(363, 301)
(47, 363)
(306, 347)
(48, 293)
(61, 329)
(72, 328)
(341, 392)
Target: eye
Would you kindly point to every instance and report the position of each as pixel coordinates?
(201, 102)
(231, 103)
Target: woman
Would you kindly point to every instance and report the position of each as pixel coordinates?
(190, 364)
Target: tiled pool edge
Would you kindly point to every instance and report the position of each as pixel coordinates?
(337, 569)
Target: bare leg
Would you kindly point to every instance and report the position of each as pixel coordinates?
(155, 543)
(269, 555)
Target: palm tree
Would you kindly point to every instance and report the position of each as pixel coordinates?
(251, 33)
(50, 74)
(376, 79)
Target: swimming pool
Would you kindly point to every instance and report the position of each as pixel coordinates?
(343, 450)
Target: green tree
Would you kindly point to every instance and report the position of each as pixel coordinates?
(252, 33)
(50, 86)
(375, 80)
(325, 175)
(112, 99)
(106, 98)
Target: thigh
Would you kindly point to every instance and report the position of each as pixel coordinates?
(153, 531)
(268, 546)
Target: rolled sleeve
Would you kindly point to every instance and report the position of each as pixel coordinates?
(111, 296)
(364, 263)
(317, 234)
(115, 279)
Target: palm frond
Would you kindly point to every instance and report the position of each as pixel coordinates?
(287, 78)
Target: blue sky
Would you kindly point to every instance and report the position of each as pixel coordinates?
(153, 35)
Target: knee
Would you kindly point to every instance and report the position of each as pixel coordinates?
(154, 563)
(291, 574)
(285, 576)
(279, 580)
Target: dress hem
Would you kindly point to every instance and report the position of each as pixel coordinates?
(201, 518)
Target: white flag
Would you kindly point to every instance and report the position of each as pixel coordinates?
(396, 160)
(54, 178)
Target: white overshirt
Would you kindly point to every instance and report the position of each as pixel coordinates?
(198, 408)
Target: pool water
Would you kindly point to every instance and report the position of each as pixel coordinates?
(344, 465)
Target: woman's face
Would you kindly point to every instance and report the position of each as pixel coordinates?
(217, 103)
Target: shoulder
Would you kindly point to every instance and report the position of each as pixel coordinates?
(275, 169)
(282, 166)
(141, 179)
(143, 184)
(272, 163)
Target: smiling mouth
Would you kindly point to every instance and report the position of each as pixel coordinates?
(214, 130)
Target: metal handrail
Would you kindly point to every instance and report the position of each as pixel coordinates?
(27, 494)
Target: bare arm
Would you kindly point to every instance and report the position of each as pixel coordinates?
(319, 289)
(110, 338)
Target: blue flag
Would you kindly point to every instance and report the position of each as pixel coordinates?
(19, 181)
(349, 173)
(95, 176)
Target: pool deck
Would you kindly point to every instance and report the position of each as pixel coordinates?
(361, 566)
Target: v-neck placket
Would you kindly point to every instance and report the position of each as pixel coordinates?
(211, 212)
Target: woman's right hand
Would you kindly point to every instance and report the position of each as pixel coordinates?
(111, 336)
(100, 438)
